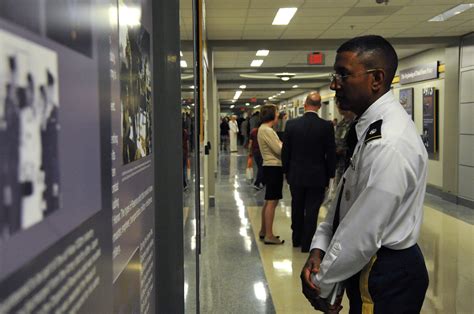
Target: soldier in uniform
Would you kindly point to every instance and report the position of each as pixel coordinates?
(368, 240)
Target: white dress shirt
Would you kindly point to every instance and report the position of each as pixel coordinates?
(383, 194)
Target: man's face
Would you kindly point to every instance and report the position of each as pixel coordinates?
(353, 92)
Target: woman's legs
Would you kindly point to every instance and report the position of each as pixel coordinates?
(269, 216)
(262, 225)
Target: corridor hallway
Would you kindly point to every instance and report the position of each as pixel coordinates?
(239, 274)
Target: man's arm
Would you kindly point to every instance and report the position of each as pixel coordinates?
(360, 233)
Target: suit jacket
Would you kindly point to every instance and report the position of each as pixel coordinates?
(309, 151)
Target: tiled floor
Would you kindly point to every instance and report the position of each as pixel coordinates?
(240, 274)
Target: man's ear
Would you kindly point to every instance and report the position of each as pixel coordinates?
(378, 81)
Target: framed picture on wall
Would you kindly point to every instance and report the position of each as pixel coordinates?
(406, 100)
(430, 121)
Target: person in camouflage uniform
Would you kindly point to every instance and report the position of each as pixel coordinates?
(342, 147)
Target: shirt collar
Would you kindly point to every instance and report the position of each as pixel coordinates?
(373, 113)
(311, 111)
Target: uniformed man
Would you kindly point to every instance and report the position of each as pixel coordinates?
(368, 239)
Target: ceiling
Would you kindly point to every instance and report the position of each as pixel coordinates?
(236, 29)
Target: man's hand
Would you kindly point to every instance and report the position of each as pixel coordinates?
(310, 290)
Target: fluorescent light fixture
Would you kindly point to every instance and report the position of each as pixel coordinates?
(184, 64)
(192, 105)
(243, 86)
(181, 53)
(284, 16)
(237, 94)
(285, 78)
(262, 53)
(192, 86)
(247, 104)
(295, 86)
(232, 106)
(452, 12)
(257, 106)
(256, 63)
(282, 92)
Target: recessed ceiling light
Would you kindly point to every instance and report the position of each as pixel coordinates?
(285, 78)
(181, 53)
(295, 86)
(184, 64)
(452, 12)
(256, 63)
(192, 86)
(262, 53)
(232, 106)
(282, 92)
(247, 104)
(284, 16)
(243, 86)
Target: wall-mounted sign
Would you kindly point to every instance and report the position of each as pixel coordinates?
(316, 58)
(419, 73)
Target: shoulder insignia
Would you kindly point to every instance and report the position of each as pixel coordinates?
(374, 132)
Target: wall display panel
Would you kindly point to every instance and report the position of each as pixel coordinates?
(76, 216)
(55, 242)
(132, 166)
(430, 122)
(406, 99)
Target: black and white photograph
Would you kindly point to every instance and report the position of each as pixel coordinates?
(135, 90)
(68, 22)
(29, 128)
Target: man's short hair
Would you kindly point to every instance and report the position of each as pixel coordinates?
(267, 113)
(375, 52)
(309, 101)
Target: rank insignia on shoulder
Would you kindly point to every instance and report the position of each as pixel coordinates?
(375, 131)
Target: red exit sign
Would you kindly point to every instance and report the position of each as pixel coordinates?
(315, 58)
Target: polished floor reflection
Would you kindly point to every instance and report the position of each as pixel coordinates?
(242, 275)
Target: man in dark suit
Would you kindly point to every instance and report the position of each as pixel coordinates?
(309, 161)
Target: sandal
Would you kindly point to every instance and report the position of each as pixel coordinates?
(263, 237)
(275, 240)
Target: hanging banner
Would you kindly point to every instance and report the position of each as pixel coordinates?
(430, 122)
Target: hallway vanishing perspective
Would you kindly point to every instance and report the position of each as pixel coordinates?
(239, 274)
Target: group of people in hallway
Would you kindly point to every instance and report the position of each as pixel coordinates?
(367, 243)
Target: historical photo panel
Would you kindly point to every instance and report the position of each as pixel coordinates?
(406, 100)
(29, 128)
(135, 91)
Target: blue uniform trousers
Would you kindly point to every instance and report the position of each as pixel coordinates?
(394, 281)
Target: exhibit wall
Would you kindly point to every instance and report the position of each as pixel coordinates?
(466, 117)
(435, 163)
(76, 174)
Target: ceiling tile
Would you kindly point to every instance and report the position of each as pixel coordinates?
(436, 2)
(329, 3)
(227, 4)
(415, 10)
(225, 20)
(360, 19)
(322, 12)
(391, 3)
(213, 13)
(267, 4)
(261, 20)
(303, 20)
(300, 34)
(262, 12)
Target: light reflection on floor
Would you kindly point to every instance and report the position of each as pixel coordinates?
(446, 242)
